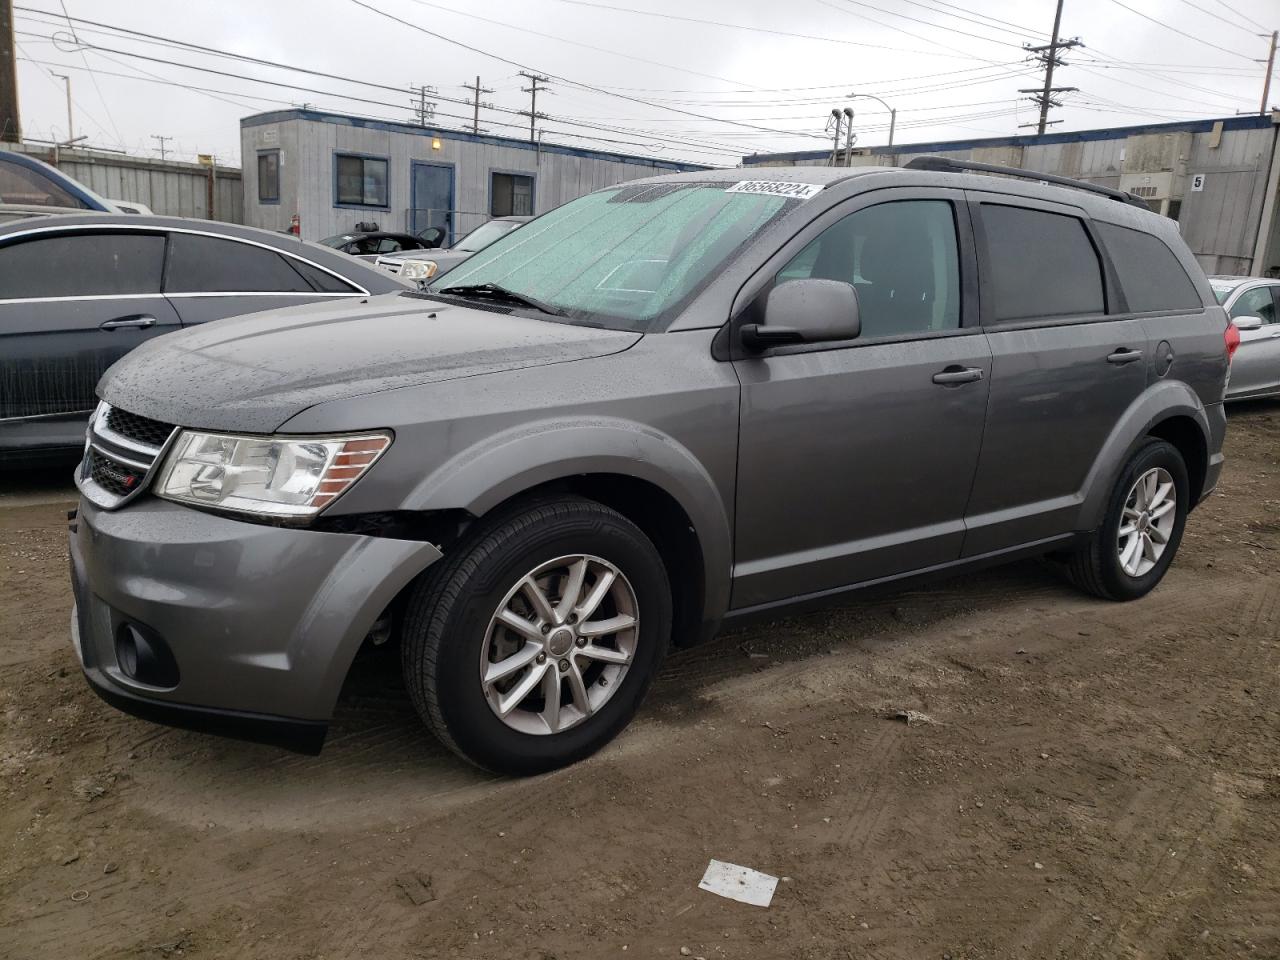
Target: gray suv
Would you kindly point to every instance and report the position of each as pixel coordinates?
(661, 407)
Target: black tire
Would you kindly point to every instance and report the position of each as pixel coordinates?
(448, 616)
(1096, 567)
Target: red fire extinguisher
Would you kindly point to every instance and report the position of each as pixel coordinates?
(295, 226)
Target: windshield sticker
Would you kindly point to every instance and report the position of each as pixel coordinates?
(777, 188)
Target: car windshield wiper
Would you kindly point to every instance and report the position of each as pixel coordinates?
(495, 292)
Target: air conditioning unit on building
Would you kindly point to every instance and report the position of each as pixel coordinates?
(1148, 186)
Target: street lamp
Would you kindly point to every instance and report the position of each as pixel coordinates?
(893, 114)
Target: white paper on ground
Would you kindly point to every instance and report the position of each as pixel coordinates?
(739, 883)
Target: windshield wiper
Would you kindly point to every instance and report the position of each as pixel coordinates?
(495, 292)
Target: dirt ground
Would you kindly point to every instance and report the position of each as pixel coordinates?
(1100, 781)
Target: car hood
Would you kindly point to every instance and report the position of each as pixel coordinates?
(253, 373)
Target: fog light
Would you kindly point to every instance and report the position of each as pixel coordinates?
(143, 656)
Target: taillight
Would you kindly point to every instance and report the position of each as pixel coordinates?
(1232, 339)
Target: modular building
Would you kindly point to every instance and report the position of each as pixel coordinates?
(334, 171)
(1220, 179)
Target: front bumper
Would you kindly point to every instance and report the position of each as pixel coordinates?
(262, 622)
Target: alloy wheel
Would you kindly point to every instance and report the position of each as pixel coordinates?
(559, 644)
(1147, 521)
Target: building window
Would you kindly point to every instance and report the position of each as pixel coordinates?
(269, 177)
(511, 196)
(362, 181)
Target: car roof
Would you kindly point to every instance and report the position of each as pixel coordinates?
(883, 177)
(372, 279)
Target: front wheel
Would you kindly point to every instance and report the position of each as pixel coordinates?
(535, 644)
(1129, 554)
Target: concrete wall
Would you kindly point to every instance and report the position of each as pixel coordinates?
(308, 141)
(170, 188)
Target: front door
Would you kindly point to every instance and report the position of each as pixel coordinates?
(1255, 369)
(856, 458)
(1064, 369)
(74, 302)
(431, 196)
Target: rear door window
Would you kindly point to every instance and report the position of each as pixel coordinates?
(1039, 264)
(1150, 275)
(105, 264)
(199, 264)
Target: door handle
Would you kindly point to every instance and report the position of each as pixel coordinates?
(1124, 355)
(1276, 335)
(140, 322)
(953, 376)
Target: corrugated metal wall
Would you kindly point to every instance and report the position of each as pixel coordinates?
(307, 149)
(169, 188)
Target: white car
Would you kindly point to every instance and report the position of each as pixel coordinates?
(1253, 303)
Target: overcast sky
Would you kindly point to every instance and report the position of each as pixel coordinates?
(635, 76)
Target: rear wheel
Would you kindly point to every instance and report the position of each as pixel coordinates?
(535, 643)
(1129, 554)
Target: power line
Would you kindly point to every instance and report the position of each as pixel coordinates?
(1217, 18)
(1241, 15)
(1181, 33)
(927, 23)
(105, 106)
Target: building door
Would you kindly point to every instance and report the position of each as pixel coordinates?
(431, 196)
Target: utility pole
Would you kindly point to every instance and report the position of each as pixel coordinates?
(476, 104)
(71, 133)
(837, 116)
(1048, 55)
(848, 138)
(163, 141)
(1271, 63)
(10, 127)
(424, 110)
(532, 90)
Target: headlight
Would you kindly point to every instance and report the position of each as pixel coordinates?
(418, 269)
(271, 476)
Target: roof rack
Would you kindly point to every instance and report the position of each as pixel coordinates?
(947, 165)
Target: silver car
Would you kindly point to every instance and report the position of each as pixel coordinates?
(1253, 304)
(665, 406)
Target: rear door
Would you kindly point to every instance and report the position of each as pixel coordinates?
(74, 302)
(1065, 365)
(855, 459)
(1255, 369)
(210, 277)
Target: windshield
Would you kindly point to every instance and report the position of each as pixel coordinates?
(1221, 291)
(337, 241)
(485, 234)
(624, 258)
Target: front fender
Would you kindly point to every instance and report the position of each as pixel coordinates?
(509, 463)
(1161, 401)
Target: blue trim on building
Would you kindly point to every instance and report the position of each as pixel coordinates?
(338, 205)
(273, 201)
(453, 196)
(1246, 122)
(318, 116)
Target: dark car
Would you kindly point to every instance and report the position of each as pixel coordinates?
(664, 406)
(421, 267)
(78, 292)
(30, 187)
(369, 244)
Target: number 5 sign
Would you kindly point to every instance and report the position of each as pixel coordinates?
(1197, 182)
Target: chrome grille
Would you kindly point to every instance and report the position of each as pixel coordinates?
(121, 452)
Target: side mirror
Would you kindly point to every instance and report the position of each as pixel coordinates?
(805, 311)
(1247, 323)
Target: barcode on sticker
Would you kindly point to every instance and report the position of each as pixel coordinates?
(777, 188)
